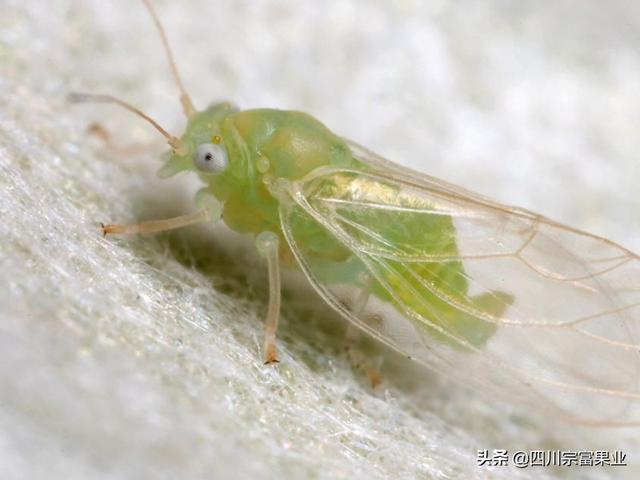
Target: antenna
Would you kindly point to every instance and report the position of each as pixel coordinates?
(76, 97)
(185, 100)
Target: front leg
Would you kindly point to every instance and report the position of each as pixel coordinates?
(267, 244)
(156, 226)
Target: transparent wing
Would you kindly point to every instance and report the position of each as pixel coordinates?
(497, 297)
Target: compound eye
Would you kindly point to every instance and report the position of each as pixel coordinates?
(211, 158)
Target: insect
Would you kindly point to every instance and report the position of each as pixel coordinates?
(497, 297)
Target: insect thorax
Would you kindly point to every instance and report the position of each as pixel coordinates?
(265, 145)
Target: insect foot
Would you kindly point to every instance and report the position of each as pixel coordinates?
(358, 359)
(270, 354)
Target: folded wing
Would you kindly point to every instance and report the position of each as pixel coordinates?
(497, 297)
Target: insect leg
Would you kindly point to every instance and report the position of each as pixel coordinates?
(267, 244)
(100, 131)
(155, 226)
(356, 357)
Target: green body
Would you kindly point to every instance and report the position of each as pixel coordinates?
(264, 145)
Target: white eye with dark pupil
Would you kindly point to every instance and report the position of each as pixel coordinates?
(211, 158)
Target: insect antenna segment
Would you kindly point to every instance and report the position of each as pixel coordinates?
(185, 99)
(76, 97)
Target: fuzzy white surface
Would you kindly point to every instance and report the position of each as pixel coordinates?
(140, 358)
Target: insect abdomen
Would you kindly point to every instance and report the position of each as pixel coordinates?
(388, 230)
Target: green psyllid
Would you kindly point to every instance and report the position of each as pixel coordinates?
(494, 296)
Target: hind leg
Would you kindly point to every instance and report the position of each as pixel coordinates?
(357, 358)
